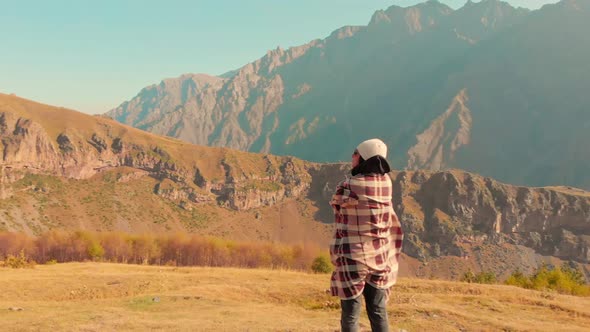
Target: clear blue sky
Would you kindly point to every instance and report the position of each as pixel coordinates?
(93, 55)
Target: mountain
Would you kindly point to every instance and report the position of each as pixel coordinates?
(62, 169)
(68, 170)
(487, 88)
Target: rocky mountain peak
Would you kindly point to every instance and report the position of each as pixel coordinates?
(476, 21)
(412, 19)
(578, 5)
(345, 32)
(491, 7)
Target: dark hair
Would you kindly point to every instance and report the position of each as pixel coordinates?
(373, 165)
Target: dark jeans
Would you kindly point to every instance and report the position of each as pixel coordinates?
(376, 303)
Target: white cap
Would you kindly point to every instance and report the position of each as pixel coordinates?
(371, 148)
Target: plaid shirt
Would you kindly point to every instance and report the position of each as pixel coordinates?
(368, 236)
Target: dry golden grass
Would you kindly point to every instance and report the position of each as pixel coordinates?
(111, 297)
(413, 207)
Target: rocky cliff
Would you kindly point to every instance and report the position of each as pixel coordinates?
(236, 179)
(447, 208)
(445, 212)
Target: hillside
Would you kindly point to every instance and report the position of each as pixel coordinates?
(66, 170)
(93, 297)
(487, 88)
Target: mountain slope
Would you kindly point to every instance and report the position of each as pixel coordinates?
(530, 101)
(519, 79)
(66, 170)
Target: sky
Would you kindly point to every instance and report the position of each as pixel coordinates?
(92, 55)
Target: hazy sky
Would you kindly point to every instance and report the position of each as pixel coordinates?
(93, 55)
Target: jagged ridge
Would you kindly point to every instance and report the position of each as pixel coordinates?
(394, 78)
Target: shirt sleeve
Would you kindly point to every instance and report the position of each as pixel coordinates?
(343, 197)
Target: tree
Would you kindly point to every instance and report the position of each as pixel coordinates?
(95, 251)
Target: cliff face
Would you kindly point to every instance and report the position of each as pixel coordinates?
(26, 144)
(456, 221)
(448, 208)
(437, 146)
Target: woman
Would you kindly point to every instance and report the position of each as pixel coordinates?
(367, 240)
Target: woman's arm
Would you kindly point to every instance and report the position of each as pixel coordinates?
(343, 197)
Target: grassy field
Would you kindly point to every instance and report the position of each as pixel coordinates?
(114, 297)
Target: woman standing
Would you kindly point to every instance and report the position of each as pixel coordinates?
(367, 240)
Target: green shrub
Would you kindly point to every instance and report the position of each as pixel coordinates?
(321, 264)
(485, 278)
(517, 278)
(19, 261)
(573, 272)
(95, 250)
(567, 279)
(468, 277)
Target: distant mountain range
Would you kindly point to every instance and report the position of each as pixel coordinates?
(488, 88)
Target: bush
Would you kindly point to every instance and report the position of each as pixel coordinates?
(95, 251)
(517, 278)
(321, 264)
(468, 277)
(18, 262)
(51, 262)
(485, 278)
(573, 272)
(567, 279)
(480, 278)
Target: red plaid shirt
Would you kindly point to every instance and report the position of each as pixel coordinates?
(368, 236)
